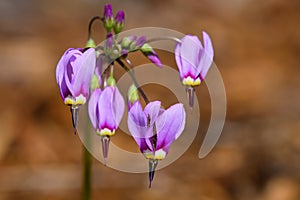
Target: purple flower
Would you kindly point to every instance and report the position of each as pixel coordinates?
(106, 109)
(119, 21)
(155, 129)
(193, 59)
(74, 72)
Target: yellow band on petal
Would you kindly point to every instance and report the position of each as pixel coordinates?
(158, 155)
(69, 101)
(106, 132)
(80, 100)
(189, 81)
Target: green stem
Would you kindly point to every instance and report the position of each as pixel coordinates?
(86, 184)
(91, 24)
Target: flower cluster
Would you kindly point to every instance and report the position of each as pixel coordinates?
(87, 75)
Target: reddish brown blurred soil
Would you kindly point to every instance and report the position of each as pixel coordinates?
(257, 48)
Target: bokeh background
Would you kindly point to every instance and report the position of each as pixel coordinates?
(257, 48)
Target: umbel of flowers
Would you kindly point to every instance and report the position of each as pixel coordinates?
(87, 75)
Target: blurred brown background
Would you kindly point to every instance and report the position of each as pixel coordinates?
(257, 48)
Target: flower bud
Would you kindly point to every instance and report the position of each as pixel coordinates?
(126, 41)
(90, 43)
(119, 21)
(148, 51)
(109, 41)
(138, 43)
(132, 96)
(108, 17)
(146, 48)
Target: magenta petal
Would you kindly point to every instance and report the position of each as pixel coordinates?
(189, 53)
(137, 125)
(187, 56)
(118, 106)
(85, 72)
(107, 119)
(137, 121)
(207, 55)
(62, 75)
(93, 107)
(152, 110)
(170, 125)
(182, 70)
(154, 58)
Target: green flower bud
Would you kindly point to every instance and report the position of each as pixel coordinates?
(146, 48)
(133, 94)
(90, 43)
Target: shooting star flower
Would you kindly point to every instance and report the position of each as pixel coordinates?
(155, 129)
(193, 61)
(106, 109)
(74, 72)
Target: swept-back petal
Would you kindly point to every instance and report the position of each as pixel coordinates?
(61, 73)
(105, 107)
(93, 107)
(189, 55)
(85, 72)
(152, 110)
(118, 106)
(170, 125)
(178, 60)
(206, 55)
(137, 125)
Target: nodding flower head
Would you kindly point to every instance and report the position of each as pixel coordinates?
(193, 59)
(74, 73)
(106, 109)
(155, 129)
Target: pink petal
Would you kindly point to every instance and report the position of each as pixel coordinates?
(207, 55)
(170, 125)
(189, 55)
(137, 125)
(84, 75)
(93, 107)
(105, 107)
(152, 110)
(118, 106)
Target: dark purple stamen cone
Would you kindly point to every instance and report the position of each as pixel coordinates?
(152, 167)
(74, 111)
(105, 146)
(190, 91)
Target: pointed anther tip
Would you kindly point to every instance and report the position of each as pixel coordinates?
(105, 146)
(190, 95)
(75, 131)
(74, 112)
(150, 184)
